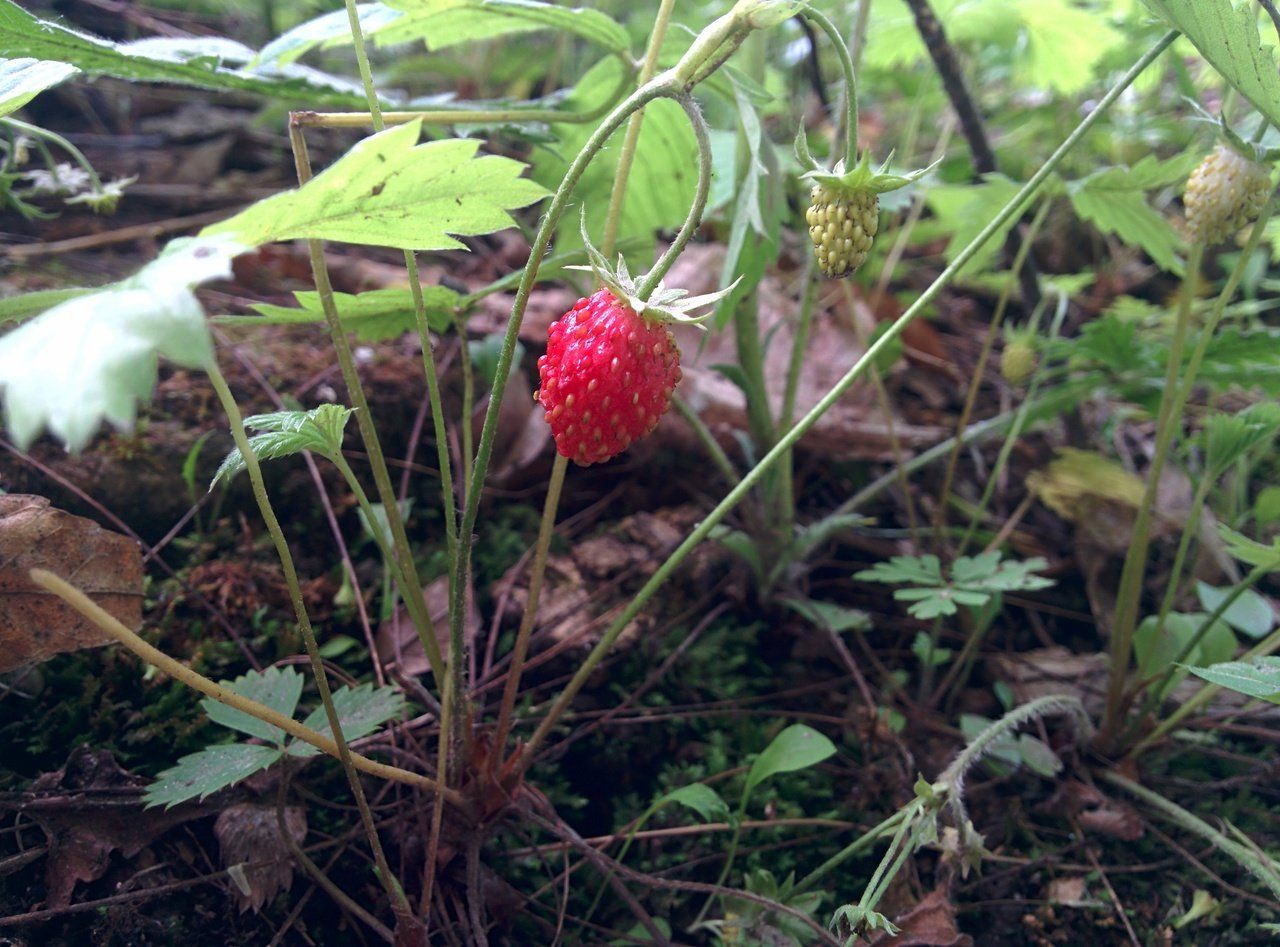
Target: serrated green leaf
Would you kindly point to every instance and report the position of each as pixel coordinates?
(1127, 215)
(973, 581)
(702, 799)
(277, 688)
(1250, 613)
(1248, 550)
(964, 211)
(93, 357)
(1156, 646)
(289, 432)
(1226, 34)
(663, 178)
(361, 710)
(1062, 43)
(21, 80)
(390, 191)
(201, 774)
(797, 747)
(917, 569)
(1257, 678)
(198, 61)
(374, 316)
(443, 23)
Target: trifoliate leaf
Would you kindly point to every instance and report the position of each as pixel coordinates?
(1228, 437)
(93, 357)
(361, 710)
(289, 432)
(277, 688)
(21, 80)
(1226, 34)
(207, 62)
(202, 774)
(973, 581)
(373, 316)
(390, 191)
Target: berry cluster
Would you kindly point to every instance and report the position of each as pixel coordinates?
(842, 225)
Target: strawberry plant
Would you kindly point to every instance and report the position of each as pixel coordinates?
(628, 170)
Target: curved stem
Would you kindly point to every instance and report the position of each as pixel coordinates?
(38, 133)
(693, 219)
(1012, 208)
(198, 682)
(705, 437)
(627, 154)
(819, 19)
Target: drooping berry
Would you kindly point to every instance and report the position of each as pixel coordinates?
(1018, 360)
(606, 379)
(1224, 193)
(842, 223)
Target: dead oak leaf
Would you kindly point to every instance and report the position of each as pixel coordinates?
(34, 624)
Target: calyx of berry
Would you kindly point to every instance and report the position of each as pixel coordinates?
(860, 178)
(663, 304)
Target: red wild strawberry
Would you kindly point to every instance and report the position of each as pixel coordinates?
(607, 377)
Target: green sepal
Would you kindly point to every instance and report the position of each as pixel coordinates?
(861, 177)
(664, 304)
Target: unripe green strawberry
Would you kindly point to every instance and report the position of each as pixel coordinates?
(842, 224)
(1224, 193)
(1018, 360)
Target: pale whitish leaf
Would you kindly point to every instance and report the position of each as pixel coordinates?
(21, 80)
(1257, 678)
(204, 773)
(1226, 34)
(289, 432)
(276, 688)
(92, 358)
(797, 747)
(361, 710)
(200, 61)
(663, 178)
(1250, 613)
(702, 799)
(390, 191)
(374, 316)
(442, 23)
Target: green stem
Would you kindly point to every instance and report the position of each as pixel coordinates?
(417, 609)
(1006, 449)
(527, 621)
(252, 467)
(850, 155)
(1261, 868)
(856, 847)
(735, 496)
(705, 437)
(1129, 594)
(38, 133)
(627, 154)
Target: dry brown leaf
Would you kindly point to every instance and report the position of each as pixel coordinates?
(397, 640)
(34, 624)
(248, 834)
(931, 923)
(1070, 892)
